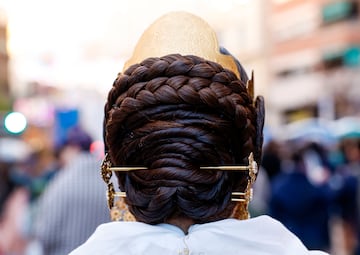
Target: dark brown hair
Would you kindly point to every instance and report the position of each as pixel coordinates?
(172, 115)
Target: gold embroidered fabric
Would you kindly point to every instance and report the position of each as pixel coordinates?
(120, 211)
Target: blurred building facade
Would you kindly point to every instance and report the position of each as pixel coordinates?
(314, 59)
(4, 61)
(245, 33)
(41, 81)
(305, 53)
(4, 74)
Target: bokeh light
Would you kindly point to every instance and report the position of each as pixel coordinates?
(15, 122)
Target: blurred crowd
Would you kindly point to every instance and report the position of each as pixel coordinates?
(311, 184)
(52, 199)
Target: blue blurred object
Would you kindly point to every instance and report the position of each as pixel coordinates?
(64, 120)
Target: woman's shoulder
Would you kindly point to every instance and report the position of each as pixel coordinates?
(264, 223)
(124, 238)
(262, 234)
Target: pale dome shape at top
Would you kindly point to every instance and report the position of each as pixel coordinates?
(182, 33)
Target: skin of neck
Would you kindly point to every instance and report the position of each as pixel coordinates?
(181, 222)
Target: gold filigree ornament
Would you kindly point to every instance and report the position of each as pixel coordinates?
(242, 198)
(241, 210)
(119, 210)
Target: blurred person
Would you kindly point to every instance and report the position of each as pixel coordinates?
(346, 187)
(301, 199)
(13, 219)
(14, 200)
(12, 152)
(270, 168)
(261, 194)
(45, 168)
(183, 134)
(17, 179)
(74, 202)
(6, 184)
(36, 171)
(271, 161)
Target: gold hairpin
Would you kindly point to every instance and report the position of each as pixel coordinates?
(241, 198)
(127, 169)
(120, 194)
(252, 167)
(236, 196)
(223, 168)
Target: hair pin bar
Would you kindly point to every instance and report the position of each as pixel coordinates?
(224, 168)
(251, 167)
(234, 199)
(238, 196)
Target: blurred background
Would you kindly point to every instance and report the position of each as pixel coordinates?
(58, 60)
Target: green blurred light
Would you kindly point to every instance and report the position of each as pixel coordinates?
(352, 56)
(336, 11)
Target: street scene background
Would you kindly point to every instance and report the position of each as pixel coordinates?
(58, 60)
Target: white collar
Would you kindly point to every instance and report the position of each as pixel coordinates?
(257, 236)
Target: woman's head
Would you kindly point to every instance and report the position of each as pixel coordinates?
(173, 114)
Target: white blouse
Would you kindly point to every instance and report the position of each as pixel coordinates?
(257, 236)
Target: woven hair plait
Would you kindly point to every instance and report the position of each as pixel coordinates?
(179, 79)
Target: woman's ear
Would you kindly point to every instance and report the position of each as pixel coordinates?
(260, 118)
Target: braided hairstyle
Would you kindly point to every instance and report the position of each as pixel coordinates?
(172, 115)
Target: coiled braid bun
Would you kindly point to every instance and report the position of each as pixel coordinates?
(173, 114)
